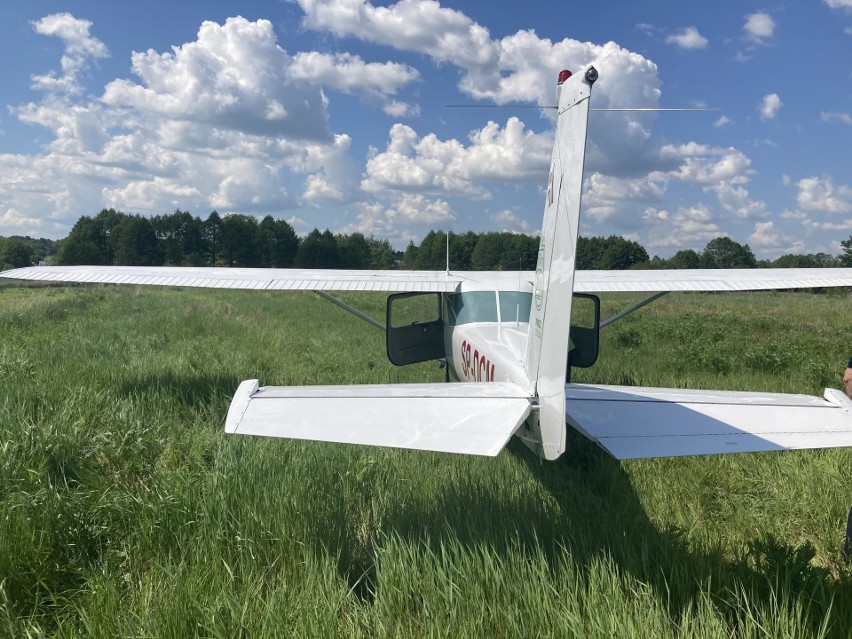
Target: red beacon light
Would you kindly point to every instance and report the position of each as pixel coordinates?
(563, 75)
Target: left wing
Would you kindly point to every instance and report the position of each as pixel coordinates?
(634, 422)
(275, 279)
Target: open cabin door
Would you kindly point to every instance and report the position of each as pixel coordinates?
(415, 328)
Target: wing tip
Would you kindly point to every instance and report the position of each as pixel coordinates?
(239, 404)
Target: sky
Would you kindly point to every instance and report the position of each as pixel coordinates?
(333, 114)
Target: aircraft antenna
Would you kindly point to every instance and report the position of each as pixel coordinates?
(448, 251)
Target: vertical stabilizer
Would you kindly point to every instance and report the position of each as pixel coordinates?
(550, 317)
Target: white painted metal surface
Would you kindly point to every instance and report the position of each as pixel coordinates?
(749, 279)
(550, 315)
(475, 419)
(633, 422)
(437, 281)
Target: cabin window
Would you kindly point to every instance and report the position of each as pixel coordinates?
(481, 306)
(515, 306)
(475, 306)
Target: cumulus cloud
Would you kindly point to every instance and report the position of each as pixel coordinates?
(80, 48)
(821, 194)
(722, 122)
(706, 165)
(448, 167)
(234, 76)
(687, 227)
(839, 4)
(350, 74)
(520, 67)
(770, 106)
(612, 199)
(688, 38)
(509, 222)
(759, 27)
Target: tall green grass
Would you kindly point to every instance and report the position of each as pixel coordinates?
(126, 511)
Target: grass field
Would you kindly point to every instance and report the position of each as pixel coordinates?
(126, 511)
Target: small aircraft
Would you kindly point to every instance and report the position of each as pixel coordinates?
(508, 340)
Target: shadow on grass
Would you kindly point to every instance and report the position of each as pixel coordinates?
(594, 513)
(192, 390)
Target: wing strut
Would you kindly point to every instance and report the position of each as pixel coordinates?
(635, 307)
(352, 310)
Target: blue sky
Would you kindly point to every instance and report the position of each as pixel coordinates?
(331, 114)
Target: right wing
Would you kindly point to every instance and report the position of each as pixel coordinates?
(635, 423)
(740, 279)
(470, 418)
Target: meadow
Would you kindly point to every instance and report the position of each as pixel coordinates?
(125, 511)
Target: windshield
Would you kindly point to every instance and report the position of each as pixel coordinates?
(481, 306)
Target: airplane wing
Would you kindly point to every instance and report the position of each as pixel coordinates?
(754, 279)
(470, 418)
(244, 278)
(747, 279)
(275, 279)
(635, 422)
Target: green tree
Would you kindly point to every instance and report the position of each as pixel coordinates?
(620, 254)
(723, 252)
(432, 252)
(685, 258)
(211, 232)
(277, 243)
(135, 243)
(382, 255)
(181, 238)
(239, 240)
(85, 244)
(318, 250)
(15, 253)
(409, 257)
(353, 251)
(846, 254)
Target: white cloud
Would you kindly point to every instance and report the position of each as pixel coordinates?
(509, 222)
(759, 27)
(80, 48)
(834, 116)
(233, 77)
(707, 166)
(839, 4)
(612, 199)
(346, 72)
(688, 38)
(821, 194)
(687, 227)
(770, 106)
(737, 201)
(519, 67)
(765, 234)
(722, 122)
(448, 167)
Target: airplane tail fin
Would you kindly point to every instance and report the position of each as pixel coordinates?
(550, 316)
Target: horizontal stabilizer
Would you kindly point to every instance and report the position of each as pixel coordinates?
(634, 422)
(470, 418)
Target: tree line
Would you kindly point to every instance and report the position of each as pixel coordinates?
(180, 239)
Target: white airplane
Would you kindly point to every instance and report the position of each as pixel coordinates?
(505, 337)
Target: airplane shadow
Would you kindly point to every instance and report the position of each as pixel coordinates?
(594, 514)
(589, 511)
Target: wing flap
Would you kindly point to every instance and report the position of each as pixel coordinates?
(475, 419)
(634, 423)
